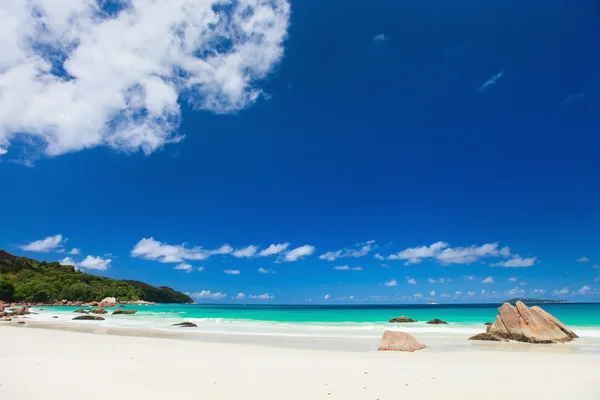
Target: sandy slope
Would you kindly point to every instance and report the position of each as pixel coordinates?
(53, 364)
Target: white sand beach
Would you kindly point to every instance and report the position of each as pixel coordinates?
(57, 364)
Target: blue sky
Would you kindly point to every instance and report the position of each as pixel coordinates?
(446, 151)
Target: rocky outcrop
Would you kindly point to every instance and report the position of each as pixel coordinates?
(98, 310)
(186, 325)
(488, 324)
(81, 311)
(531, 325)
(487, 336)
(88, 318)
(108, 302)
(402, 318)
(19, 311)
(117, 312)
(436, 321)
(399, 341)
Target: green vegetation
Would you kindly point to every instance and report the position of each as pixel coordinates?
(24, 279)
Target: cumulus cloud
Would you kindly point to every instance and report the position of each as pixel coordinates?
(470, 294)
(68, 261)
(43, 245)
(441, 280)
(391, 282)
(516, 262)
(273, 249)
(208, 295)
(75, 252)
(489, 279)
(583, 260)
(445, 255)
(96, 263)
(326, 297)
(264, 296)
(490, 82)
(298, 253)
(445, 295)
(515, 292)
(360, 250)
(184, 267)
(539, 291)
(240, 296)
(458, 293)
(379, 257)
(432, 293)
(150, 249)
(562, 291)
(265, 271)
(231, 271)
(245, 252)
(114, 73)
(410, 280)
(380, 38)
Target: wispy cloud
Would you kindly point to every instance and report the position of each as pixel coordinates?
(584, 290)
(360, 250)
(490, 82)
(264, 296)
(231, 271)
(573, 97)
(298, 253)
(240, 296)
(380, 38)
(265, 271)
(274, 249)
(583, 260)
(184, 267)
(347, 268)
(516, 262)
(245, 252)
(560, 292)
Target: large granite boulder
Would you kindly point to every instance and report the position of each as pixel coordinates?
(402, 318)
(108, 302)
(88, 318)
(436, 321)
(19, 311)
(98, 310)
(532, 325)
(399, 341)
(186, 325)
(117, 312)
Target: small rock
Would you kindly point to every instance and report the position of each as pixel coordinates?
(402, 318)
(21, 322)
(486, 336)
(119, 311)
(88, 318)
(5, 319)
(436, 321)
(98, 310)
(55, 316)
(186, 325)
(81, 311)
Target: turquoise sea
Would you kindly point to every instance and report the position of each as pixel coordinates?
(339, 321)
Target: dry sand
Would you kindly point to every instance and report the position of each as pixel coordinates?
(55, 364)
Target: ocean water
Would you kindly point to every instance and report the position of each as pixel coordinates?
(366, 321)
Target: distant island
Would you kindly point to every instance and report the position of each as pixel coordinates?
(538, 301)
(24, 279)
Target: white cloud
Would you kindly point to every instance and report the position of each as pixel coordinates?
(75, 76)
(523, 283)
(417, 295)
(458, 293)
(584, 290)
(298, 253)
(489, 279)
(379, 257)
(410, 280)
(274, 249)
(75, 252)
(516, 262)
(266, 271)
(432, 293)
(208, 295)
(150, 249)
(431, 280)
(326, 297)
(231, 271)
(240, 296)
(96, 263)
(184, 267)
(469, 277)
(245, 252)
(583, 260)
(539, 291)
(515, 292)
(43, 245)
(68, 261)
(391, 282)
(513, 279)
(3, 151)
(200, 269)
(596, 266)
(361, 250)
(470, 294)
(264, 296)
(357, 269)
(562, 291)
(445, 255)
(445, 295)
(490, 82)
(380, 38)
(342, 268)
